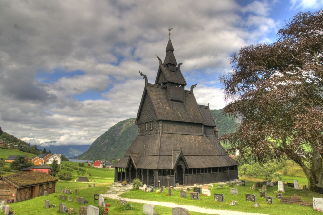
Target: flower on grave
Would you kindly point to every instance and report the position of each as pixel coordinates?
(106, 209)
(107, 205)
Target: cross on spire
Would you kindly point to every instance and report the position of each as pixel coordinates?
(169, 29)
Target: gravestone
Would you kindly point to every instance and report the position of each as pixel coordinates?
(149, 209)
(2, 206)
(180, 211)
(262, 194)
(75, 191)
(81, 200)
(197, 189)
(268, 183)
(77, 199)
(45, 193)
(162, 189)
(233, 191)
(101, 201)
(69, 198)
(304, 187)
(206, 192)
(296, 185)
(183, 194)
(6, 210)
(188, 189)
(93, 184)
(256, 205)
(243, 183)
(233, 203)
(61, 189)
(70, 211)
(279, 195)
(271, 184)
(221, 186)
(68, 191)
(89, 185)
(195, 195)
(65, 190)
(318, 203)
(60, 196)
(46, 203)
(83, 210)
(281, 186)
(269, 199)
(251, 197)
(264, 188)
(219, 197)
(92, 210)
(253, 187)
(170, 191)
(62, 207)
(63, 198)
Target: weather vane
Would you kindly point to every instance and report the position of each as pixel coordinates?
(169, 29)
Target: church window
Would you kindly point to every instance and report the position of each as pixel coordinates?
(151, 125)
(146, 126)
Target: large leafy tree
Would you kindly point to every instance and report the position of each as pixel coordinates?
(278, 88)
(19, 163)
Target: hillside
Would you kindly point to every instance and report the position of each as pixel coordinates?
(4, 153)
(114, 143)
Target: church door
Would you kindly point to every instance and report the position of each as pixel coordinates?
(179, 175)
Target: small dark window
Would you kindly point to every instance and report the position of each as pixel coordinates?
(214, 169)
(198, 170)
(7, 189)
(186, 171)
(190, 171)
(202, 170)
(219, 169)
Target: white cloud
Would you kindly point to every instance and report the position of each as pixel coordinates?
(306, 4)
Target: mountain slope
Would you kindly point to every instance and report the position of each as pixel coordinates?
(114, 143)
(69, 151)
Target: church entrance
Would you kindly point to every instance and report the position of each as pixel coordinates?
(179, 175)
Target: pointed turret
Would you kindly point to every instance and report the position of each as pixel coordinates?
(170, 60)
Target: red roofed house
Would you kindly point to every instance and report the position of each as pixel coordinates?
(98, 164)
(40, 168)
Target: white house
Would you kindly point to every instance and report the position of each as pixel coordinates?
(56, 157)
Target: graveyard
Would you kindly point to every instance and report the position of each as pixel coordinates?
(101, 181)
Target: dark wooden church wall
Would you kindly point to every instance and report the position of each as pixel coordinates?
(233, 174)
(152, 127)
(208, 131)
(182, 128)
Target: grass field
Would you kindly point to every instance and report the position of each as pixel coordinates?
(103, 179)
(4, 153)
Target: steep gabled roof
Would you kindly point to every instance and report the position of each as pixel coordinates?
(42, 155)
(22, 179)
(207, 115)
(175, 77)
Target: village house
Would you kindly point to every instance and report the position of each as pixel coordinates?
(46, 159)
(25, 185)
(13, 157)
(41, 168)
(107, 164)
(53, 157)
(98, 164)
(177, 140)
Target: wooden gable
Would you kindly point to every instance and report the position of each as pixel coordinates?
(146, 112)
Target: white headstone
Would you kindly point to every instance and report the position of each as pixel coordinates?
(149, 209)
(281, 186)
(318, 203)
(6, 210)
(101, 201)
(233, 191)
(46, 203)
(92, 210)
(2, 206)
(296, 185)
(206, 191)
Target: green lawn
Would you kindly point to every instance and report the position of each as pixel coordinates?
(4, 153)
(241, 205)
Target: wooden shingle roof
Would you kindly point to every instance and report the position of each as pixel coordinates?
(23, 179)
(207, 115)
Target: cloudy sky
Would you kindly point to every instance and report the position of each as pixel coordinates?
(69, 69)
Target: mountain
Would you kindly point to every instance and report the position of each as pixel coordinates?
(69, 151)
(114, 143)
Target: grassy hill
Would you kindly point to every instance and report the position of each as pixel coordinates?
(4, 153)
(114, 143)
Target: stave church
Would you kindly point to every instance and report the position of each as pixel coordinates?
(177, 142)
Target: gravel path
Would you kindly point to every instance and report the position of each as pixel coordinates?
(188, 207)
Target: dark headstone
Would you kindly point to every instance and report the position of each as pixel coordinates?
(77, 199)
(219, 197)
(183, 194)
(75, 191)
(81, 200)
(68, 191)
(197, 189)
(83, 210)
(89, 185)
(62, 207)
(69, 198)
(162, 189)
(45, 193)
(188, 189)
(93, 184)
(180, 211)
(63, 198)
(251, 197)
(195, 195)
(46, 203)
(279, 195)
(304, 187)
(262, 194)
(243, 183)
(170, 191)
(269, 199)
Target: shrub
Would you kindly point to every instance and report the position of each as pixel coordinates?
(136, 184)
(64, 175)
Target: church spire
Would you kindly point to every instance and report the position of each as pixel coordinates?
(170, 60)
